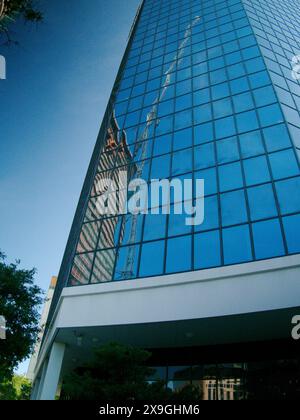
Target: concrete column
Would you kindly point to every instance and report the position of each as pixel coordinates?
(42, 379)
(35, 389)
(50, 383)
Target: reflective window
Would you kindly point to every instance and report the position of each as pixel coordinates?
(277, 138)
(183, 119)
(237, 245)
(284, 164)
(264, 96)
(222, 108)
(103, 266)
(256, 171)
(162, 145)
(288, 195)
(184, 102)
(182, 162)
(81, 270)
(177, 222)
(150, 266)
(292, 232)
(268, 239)
(204, 133)
(270, 115)
(204, 156)
(179, 254)
(262, 202)
(243, 102)
(155, 226)
(231, 177)
(183, 139)
(211, 216)
(88, 237)
(210, 180)
(228, 150)
(207, 250)
(251, 144)
(234, 209)
(247, 121)
(225, 127)
(127, 263)
(161, 167)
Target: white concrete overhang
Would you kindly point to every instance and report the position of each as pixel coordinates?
(246, 302)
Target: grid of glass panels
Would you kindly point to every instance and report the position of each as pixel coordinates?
(196, 101)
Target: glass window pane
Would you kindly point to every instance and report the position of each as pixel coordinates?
(165, 108)
(270, 115)
(165, 126)
(222, 108)
(262, 202)
(182, 162)
(183, 139)
(277, 138)
(220, 91)
(201, 97)
(103, 266)
(243, 102)
(284, 164)
(251, 144)
(162, 145)
(183, 119)
(150, 266)
(177, 222)
(210, 180)
(288, 193)
(88, 237)
(204, 156)
(202, 114)
(81, 269)
(247, 121)
(228, 150)
(239, 85)
(127, 262)
(211, 214)
(256, 171)
(160, 168)
(292, 232)
(264, 96)
(207, 250)
(109, 233)
(225, 127)
(155, 226)
(184, 87)
(179, 254)
(204, 133)
(268, 240)
(184, 102)
(234, 210)
(231, 177)
(237, 245)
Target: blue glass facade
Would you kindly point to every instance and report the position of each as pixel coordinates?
(205, 92)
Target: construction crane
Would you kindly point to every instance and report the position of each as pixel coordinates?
(142, 145)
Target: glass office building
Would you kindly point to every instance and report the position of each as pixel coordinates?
(207, 89)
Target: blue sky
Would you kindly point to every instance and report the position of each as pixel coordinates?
(51, 106)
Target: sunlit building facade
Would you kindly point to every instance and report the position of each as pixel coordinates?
(207, 89)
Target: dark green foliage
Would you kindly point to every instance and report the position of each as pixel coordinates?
(120, 373)
(11, 10)
(17, 388)
(19, 302)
